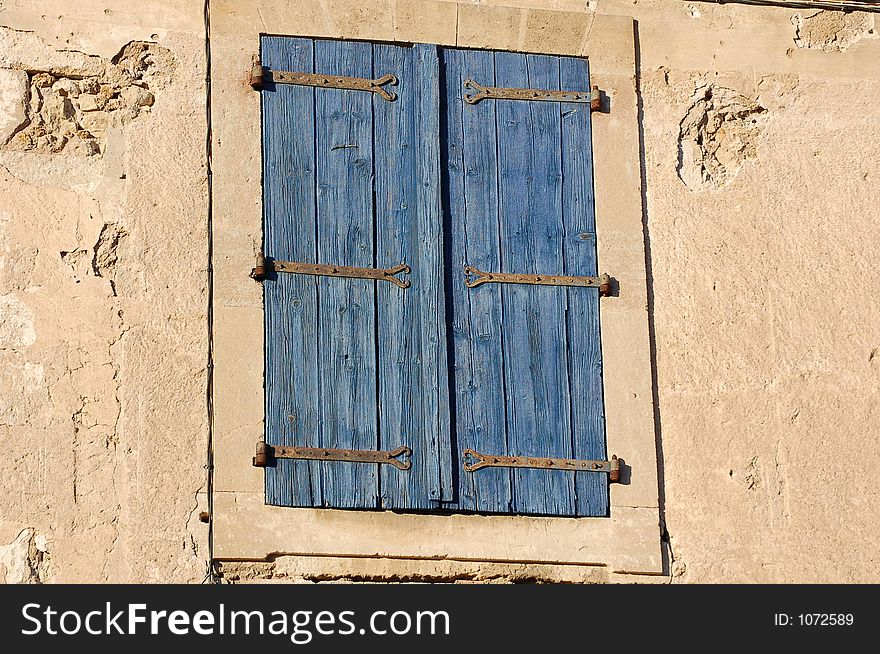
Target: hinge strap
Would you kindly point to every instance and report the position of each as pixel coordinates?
(474, 461)
(266, 266)
(475, 277)
(266, 454)
(594, 96)
(261, 74)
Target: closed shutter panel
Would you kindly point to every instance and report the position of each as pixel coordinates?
(527, 358)
(352, 179)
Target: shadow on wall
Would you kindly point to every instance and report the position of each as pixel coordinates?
(666, 553)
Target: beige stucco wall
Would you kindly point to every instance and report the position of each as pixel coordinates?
(762, 268)
(103, 260)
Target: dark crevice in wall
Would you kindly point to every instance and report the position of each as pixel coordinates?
(842, 5)
(649, 278)
(211, 575)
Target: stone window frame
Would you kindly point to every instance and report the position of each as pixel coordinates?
(244, 527)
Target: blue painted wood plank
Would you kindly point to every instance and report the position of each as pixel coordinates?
(401, 402)
(413, 381)
(584, 345)
(531, 235)
(408, 229)
(436, 423)
(346, 307)
(476, 321)
(291, 399)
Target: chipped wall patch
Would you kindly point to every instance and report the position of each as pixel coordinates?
(55, 111)
(4, 240)
(717, 135)
(13, 102)
(16, 324)
(832, 31)
(25, 560)
(107, 250)
(77, 261)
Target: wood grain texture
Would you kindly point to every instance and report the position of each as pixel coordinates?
(436, 413)
(399, 344)
(530, 218)
(346, 307)
(519, 200)
(351, 179)
(513, 370)
(584, 343)
(476, 319)
(411, 351)
(291, 301)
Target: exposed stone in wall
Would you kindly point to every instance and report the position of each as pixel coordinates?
(25, 560)
(16, 323)
(717, 135)
(833, 31)
(14, 98)
(67, 109)
(106, 252)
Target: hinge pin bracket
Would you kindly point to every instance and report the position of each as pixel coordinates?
(474, 461)
(474, 277)
(266, 266)
(595, 99)
(259, 271)
(400, 458)
(477, 92)
(257, 73)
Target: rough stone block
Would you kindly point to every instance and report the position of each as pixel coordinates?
(13, 101)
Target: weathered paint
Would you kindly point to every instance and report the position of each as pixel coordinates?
(352, 179)
(527, 358)
(476, 319)
(354, 363)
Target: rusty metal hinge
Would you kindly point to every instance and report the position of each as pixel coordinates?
(474, 461)
(475, 277)
(266, 266)
(261, 74)
(266, 454)
(594, 96)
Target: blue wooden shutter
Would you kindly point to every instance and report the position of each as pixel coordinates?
(352, 179)
(527, 359)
